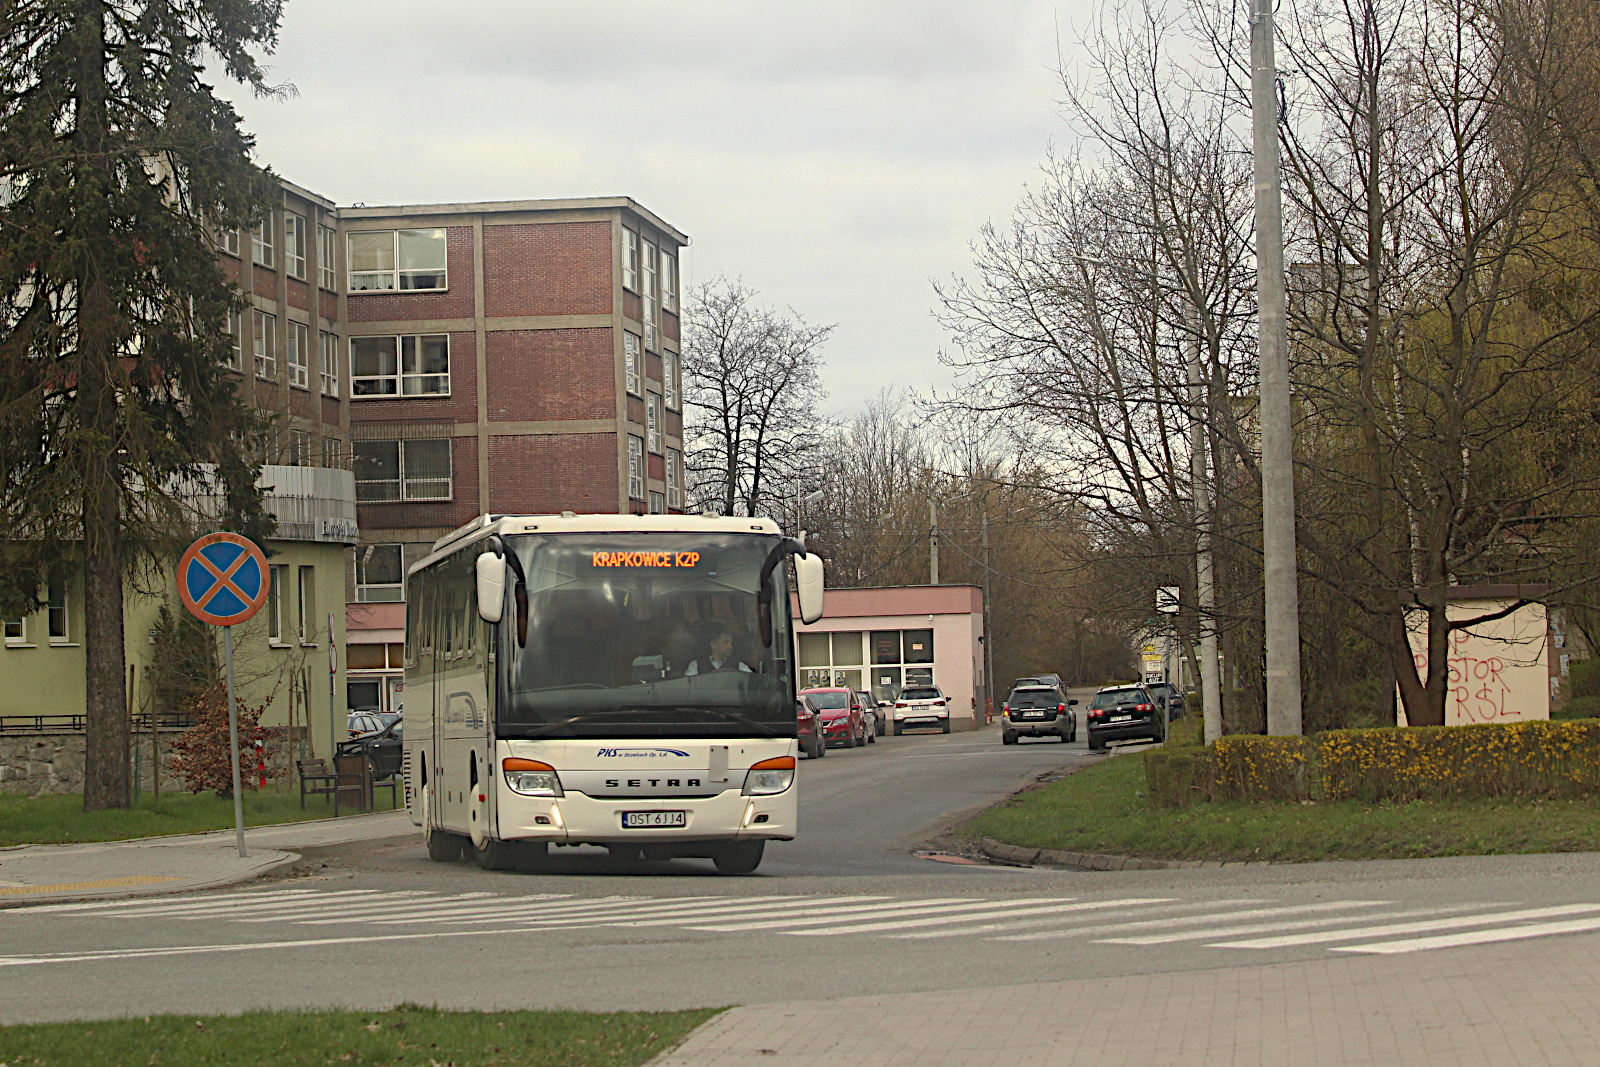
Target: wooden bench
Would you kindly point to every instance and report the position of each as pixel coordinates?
(317, 780)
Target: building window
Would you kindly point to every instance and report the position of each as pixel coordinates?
(412, 260)
(380, 576)
(275, 605)
(56, 611)
(635, 468)
(400, 366)
(631, 358)
(331, 456)
(328, 354)
(294, 244)
(830, 658)
(299, 355)
(228, 241)
(236, 340)
(652, 297)
(674, 478)
(669, 282)
(306, 604)
(266, 345)
(658, 503)
(652, 422)
(327, 253)
(16, 630)
(402, 470)
(630, 260)
(670, 372)
(261, 242)
(300, 454)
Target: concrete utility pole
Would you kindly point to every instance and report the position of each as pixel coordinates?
(988, 626)
(1205, 579)
(1277, 443)
(933, 541)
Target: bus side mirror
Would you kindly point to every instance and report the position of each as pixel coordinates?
(491, 587)
(808, 583)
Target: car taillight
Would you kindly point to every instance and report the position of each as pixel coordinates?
(1005, 709)
(1095, 713)
(899, 703)
(1145, 707)
(1061, 707)
(938, 703)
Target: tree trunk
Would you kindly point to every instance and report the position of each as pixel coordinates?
(105, 769)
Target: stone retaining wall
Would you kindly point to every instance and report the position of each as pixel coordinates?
(38, 763)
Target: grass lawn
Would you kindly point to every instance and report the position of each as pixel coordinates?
(60, 818)
(407, 1035)
(1102, 808)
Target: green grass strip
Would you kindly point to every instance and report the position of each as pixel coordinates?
(1103, 808)
(422, 1037)
(60, 818)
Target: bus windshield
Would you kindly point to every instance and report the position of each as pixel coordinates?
(649, 635)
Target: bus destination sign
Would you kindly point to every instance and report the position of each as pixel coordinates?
(646, 559)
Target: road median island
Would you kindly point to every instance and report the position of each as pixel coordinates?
(1103, 815)
(406, 1035)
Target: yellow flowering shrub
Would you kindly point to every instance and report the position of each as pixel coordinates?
(1435, 762)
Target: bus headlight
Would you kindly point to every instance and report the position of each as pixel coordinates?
(769, 776)
(531, 778)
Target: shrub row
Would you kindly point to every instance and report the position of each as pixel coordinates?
(1436, 762)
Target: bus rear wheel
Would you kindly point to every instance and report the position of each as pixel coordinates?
(738, 857)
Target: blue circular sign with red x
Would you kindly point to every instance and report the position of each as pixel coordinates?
(223, 579)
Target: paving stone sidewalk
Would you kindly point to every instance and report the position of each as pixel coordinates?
(32, 874)
(1530, 1002)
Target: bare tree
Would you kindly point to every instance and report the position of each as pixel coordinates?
(752, 388)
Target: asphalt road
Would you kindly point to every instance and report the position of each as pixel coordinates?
(848, 909)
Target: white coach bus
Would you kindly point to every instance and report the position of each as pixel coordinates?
(615, 680)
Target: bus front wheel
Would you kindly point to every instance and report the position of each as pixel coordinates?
(443, 847)
(738, 857)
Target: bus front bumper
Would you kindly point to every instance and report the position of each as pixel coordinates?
(579, 819)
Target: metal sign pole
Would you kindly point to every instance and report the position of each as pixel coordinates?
(233, 741)
(333, 719)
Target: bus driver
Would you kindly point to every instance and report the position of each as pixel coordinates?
(721, 658)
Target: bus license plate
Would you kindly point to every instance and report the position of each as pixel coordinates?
(632, 820)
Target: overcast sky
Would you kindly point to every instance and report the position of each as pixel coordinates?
(836, 156)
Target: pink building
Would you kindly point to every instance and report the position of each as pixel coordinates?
(887, 639)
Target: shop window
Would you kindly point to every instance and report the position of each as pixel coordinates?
(886, 646)
(918, 646)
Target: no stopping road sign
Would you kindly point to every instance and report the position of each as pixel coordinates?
(223, 579)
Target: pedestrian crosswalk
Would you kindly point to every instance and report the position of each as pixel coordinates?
(1242, 924)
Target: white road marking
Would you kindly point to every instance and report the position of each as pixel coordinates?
(630, 907)
(1263, 928)
(1426, 926)
(1191, 920)
(224, 907)
(1097, 905)
(145, 902)
(905, 907)
(361, 910)
(1477, 937)
(971, 915)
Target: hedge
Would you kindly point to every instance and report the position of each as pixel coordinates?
(1433, 762)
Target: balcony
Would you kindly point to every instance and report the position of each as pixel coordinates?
(311, 503)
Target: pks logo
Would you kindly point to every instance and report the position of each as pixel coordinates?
(641, 753)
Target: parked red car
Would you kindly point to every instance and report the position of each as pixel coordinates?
(810, 737)
(844, 720)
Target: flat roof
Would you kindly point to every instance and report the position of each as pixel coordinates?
(584, 203)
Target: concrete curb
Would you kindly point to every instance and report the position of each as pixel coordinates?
(284, 861)
(1020, 856)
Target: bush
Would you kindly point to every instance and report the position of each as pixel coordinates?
(201, 752)
(1434, 762)
(1583, 679)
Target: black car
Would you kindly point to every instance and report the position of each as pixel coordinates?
(1037, 711)
(1121, 712)
(1176, 705)
(383, 749)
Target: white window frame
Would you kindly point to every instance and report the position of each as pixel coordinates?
(15, 631)
(261, 250)
(674, 478)
(331, 452)
(363, 589)
(669, 282)
(264, 344)
(275, 605)
(632, 359)
(401, 377)
(327, 258)
(305, 594)
(404, 495)
(300, 454)
(635, 468)
(652, 422)
(658, 503)
(630, 260)
(328, 356)
(299, 355)
(396, 275)
(228, 241)
(57, 603)
(652, 300)
(671, 381)
(236, 336)
(294, 244)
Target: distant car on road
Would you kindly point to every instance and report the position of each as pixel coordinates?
(921, 705)
(1120, 712)
(382, 748)
(843, 718)
(809, 724)
(1037, 711)
(1176, 705)
(879, 712)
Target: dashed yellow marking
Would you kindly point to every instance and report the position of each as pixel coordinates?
(69, 887)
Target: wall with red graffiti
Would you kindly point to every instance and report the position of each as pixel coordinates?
(1499, 670)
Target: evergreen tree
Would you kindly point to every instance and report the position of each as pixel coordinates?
(117, 413)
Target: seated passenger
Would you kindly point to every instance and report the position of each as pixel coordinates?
(721, 658)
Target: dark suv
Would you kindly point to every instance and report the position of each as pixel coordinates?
(1037, 711)
(1120, 712)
